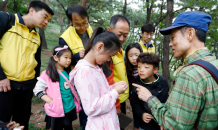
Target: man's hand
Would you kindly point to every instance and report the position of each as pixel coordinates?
(143, 93)
(146, 117)
(81, 53)
(118, 111)
(5, 85)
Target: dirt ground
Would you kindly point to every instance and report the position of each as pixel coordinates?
(38, 116)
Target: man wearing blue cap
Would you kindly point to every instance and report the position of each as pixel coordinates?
(193, 101)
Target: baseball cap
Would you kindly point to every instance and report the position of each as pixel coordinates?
(195, 19)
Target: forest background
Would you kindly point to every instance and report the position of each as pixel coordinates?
(160, 13)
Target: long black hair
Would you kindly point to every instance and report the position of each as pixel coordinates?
(109, 39)
(129, 66)
(51, 69)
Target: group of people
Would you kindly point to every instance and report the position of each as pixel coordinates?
(90, 74)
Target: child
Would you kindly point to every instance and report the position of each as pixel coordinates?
(54, 88)
(97, 97)
(132, 52)
(148, 64)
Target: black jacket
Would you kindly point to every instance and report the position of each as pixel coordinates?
(158, 88)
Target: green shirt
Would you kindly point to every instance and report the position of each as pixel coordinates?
(193, 100)
(66, 94)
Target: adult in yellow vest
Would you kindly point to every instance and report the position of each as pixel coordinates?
(147, 32)
(78, 33)
(20, 60)
(115, 70)
(76, 37)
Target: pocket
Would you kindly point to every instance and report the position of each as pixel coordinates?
(50, 105)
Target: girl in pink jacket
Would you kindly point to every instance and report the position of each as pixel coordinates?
(53, 86)
(97, 97)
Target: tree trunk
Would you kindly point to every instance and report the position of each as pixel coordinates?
(42, 34)
(61, 20)
(84, 3)
(4, 5)
(165, 66)
(149, 9)
(124, 8)
(27, 5)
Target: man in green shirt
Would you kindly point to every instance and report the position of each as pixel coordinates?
(193, 101)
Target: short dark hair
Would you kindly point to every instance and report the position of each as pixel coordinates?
(108, 38)
(116, 18)
(129, 66)
(38, 5)
(148, 28)
(149, 58)
(76, 9)
(201, 35)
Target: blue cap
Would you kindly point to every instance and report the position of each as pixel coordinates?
(195, 19)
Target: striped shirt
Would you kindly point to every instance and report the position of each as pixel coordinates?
(193, 100)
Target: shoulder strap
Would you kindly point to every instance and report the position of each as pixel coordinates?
(207, 66)
(76, 98)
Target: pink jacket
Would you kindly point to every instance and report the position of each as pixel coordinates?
(52, 89)
(97, 97)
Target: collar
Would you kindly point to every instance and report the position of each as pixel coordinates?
(149, 44)
(193, 56)
(22, 22)
(197, 55)
(155, 75)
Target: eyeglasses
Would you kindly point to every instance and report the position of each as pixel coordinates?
(82, 25)
(147, 34)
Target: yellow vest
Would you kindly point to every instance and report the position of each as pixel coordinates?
(18, 47)
(120, 73)
(149, 50)
(73, 40)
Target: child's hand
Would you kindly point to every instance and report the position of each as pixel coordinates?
(121, 87)
(146, 117)
(47, 99)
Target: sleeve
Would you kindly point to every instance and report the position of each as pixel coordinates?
(89, 90)
(38, 59)
(40, 87)
(2, 74)
(75, 58)
(4, 19)
(136, 103)
(182, 107)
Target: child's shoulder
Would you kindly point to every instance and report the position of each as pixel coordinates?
(43, 75)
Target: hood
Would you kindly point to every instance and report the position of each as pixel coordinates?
(79, 65)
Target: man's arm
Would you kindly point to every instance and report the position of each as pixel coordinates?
(38, 59)
(4, 20)
(182, 107)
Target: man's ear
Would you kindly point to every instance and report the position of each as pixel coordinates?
(191, 33)
(31, 10)
(141, 34)
(109, 29)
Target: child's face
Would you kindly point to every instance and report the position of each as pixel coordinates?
(146, 71)
(65, 59)
(104, 56)
(133, 54)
